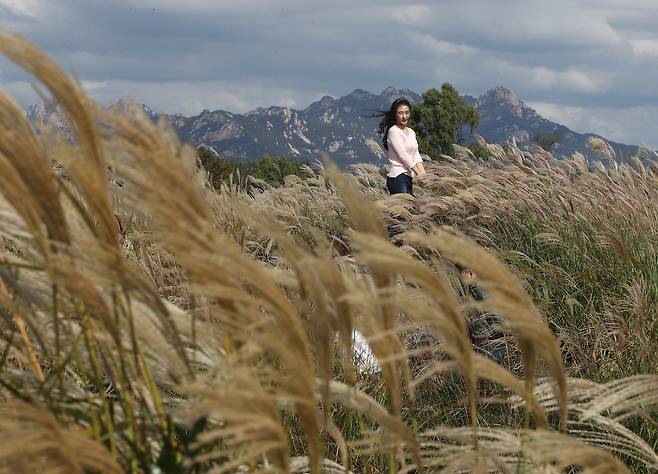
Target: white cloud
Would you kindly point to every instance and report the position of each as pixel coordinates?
(645, 47)
(513, 24)
(441, 47)
(20, 7)
(548, 79)
(21, 91)
(187, 56)
(410, 15)
(190, 98)
(630, 125)
(90, 86)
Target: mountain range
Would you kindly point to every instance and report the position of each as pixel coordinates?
(345, 127)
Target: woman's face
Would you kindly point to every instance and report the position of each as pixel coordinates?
(402, 115)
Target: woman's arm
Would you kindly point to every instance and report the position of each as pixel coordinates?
(419, 167)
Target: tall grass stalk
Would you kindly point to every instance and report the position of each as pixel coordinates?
(192, 329)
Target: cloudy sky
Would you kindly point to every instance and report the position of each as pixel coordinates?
(589, 64)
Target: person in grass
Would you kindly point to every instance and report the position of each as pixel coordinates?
(483, 327)
(404, 160)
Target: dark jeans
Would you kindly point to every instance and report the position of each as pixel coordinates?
(402, 183)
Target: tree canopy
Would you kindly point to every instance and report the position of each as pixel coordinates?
(271, 170)
(439, 121)
(548, 140)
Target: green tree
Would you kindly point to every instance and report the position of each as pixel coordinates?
(547, 140)
(440, 119)
(219, 169)
(270, 170)
(274, 171)
(480, 151)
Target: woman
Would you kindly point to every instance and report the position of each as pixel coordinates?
(400, 142)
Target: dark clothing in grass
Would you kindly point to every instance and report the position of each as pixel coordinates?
(484, 332)
(402, 183)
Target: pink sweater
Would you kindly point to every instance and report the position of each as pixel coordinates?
(402, 151)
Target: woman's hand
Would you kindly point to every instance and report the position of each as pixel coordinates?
(419, 168)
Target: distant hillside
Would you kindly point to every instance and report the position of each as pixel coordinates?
(344, 128)
(341, 127)
(504, 117)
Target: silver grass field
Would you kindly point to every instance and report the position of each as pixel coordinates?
(152, 324)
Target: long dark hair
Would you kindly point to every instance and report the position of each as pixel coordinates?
(389, 118)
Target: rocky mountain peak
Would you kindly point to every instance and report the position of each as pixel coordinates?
(500, 98)
(360, 94)
(499, 95)
(392, 93)
(325, 104)
(327, 101)
(49, 114)
(42, 111)
(127, 105)
(502, 91)
(345, 127)
(256, 111)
